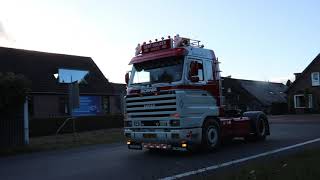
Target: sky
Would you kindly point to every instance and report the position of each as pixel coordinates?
(266, 40)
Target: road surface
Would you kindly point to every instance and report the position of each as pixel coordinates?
(117, 162)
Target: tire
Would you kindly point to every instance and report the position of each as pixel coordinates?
(211, 138)
(260, 126)
(261, 129)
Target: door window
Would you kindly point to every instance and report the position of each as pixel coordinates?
(200, 73)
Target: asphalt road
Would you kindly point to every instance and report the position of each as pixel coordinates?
(117, 162)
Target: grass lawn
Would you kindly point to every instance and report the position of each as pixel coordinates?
(303, 165)
(65, 141)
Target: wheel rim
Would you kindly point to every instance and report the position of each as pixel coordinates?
(212, 136)
(262, 127)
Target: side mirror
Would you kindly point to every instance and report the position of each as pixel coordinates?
(193, 72)
(193, 68)
(127, 77)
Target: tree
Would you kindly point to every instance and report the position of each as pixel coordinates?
(13, 91)
(288, 83)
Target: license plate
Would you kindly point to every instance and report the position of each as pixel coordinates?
(149, 135)
(135, 146)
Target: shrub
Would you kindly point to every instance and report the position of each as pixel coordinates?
(13, 91)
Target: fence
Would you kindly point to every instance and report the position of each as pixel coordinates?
(49, 126)
(11, 129)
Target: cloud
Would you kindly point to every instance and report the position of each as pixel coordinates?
(3, 33)
(5, 38)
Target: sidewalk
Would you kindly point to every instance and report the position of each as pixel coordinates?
(295, 118)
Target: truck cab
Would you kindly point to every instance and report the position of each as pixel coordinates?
(174, 99)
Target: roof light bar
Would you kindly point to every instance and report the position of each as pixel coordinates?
(169, 43)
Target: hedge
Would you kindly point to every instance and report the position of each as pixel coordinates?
(13, 92)
(49, 126)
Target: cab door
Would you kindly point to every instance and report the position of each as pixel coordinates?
(199, 102)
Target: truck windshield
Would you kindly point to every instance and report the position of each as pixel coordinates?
(164, 70)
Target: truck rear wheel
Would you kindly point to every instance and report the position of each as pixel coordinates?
(260, 130)
(211, 138)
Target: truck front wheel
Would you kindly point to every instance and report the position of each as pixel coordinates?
(211, 138)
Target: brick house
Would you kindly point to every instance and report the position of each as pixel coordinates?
(120, 91)
(248, 95)
(304, 92)
(48, 97)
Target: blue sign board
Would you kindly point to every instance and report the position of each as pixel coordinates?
(89, 106)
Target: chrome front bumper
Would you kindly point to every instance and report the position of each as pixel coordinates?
(171, 137)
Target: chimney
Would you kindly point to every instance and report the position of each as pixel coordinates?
(297, 75)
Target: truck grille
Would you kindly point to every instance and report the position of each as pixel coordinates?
(151, 106)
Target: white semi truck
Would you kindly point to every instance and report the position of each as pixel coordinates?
(174, 100)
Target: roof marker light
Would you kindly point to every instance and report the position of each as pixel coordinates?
(177, 40)
(156, 40)
(150, 41)
(162, 38)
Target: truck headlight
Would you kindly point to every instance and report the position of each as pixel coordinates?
(175, 122)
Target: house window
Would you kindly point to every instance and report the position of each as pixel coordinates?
(229, 90)
(315, 79)
(300, 101)
(63, 105)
